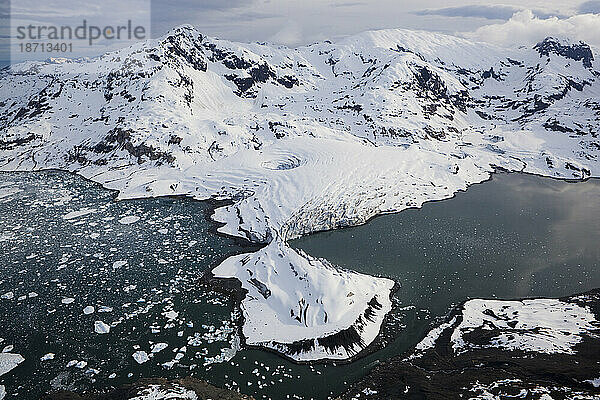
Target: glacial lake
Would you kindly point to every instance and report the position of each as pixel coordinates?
(66, 246)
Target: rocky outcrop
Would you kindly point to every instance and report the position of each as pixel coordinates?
(577, 51)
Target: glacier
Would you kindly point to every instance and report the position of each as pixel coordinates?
(303, 140)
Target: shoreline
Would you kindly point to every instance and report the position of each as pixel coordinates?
(232, 287)
(424, 366)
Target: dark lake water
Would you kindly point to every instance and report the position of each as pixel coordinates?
(67, 246)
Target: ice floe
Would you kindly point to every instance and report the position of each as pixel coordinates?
(130, 219)
(88, 310)
(8, 361)
(101, 328)
(140, 356)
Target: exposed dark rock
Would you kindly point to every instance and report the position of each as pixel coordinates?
(577, 52)
(9, 144)
(262, 288)
(554, 125)
(121, 139)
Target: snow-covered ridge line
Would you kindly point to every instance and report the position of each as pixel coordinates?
(303, 140)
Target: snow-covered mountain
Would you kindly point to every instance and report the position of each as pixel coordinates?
(306, 139)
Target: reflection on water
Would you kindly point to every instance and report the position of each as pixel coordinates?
(515, 236)
(71, 256)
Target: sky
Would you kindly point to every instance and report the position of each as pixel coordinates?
(295, 23)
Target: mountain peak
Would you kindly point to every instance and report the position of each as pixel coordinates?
(574, 51)
(183, 31)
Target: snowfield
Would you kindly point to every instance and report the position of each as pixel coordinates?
(302, 140)
(539, 325)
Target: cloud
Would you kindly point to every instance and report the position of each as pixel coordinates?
(504, 12)
(290, 35)
(167, 14)
(348, 4)
(589, 7)
(524, 28)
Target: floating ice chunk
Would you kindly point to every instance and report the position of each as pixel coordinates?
(169, 364)
(67, 300)
(2, 392)
(101, 328)
(130, 219)
(8, 361)
(94, 235)
(7, 296)
(32, 295)
(8, 349)
(129, 288)
(171, 315)
(119, 264)
(77, 364)
(595, 382)
(88, 310)
(163, 231)
(80, 213)
(158, 347)
(46, 357)
(172, 392)
(112, 376)
(140, 356)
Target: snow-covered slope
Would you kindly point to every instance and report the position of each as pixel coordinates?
(306, 139)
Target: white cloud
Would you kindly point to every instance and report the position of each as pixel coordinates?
(290, 35)
(487, 11)
(524, 28)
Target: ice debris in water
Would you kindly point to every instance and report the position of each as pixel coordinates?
(101, 328)
(140, 356)
(88, 310)
(130, 219)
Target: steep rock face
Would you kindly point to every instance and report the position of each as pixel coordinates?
(578, 52)
(307, 139)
